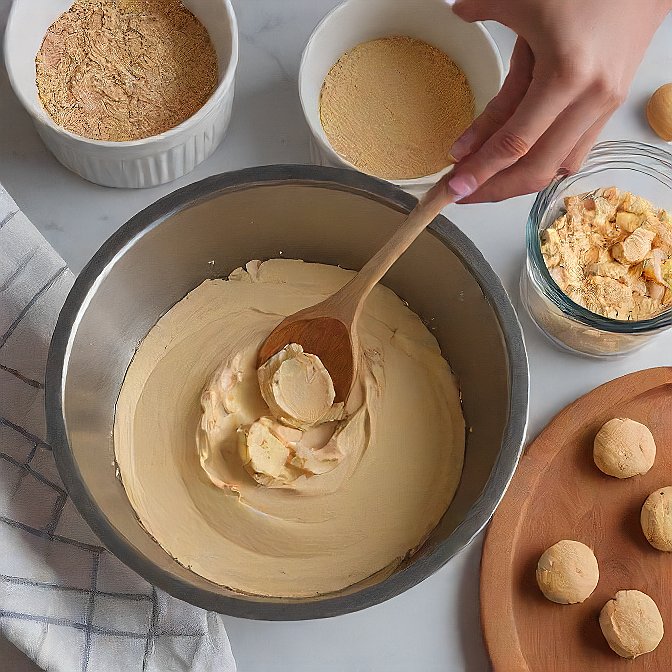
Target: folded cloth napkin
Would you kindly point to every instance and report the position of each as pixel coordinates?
(65, 601)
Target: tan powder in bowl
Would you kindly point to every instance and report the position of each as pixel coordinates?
(394, 106)
(125, 69)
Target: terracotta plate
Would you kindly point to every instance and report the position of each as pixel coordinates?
(558, 493)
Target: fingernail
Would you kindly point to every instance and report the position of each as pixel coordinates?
(462, 185)
(462, 145)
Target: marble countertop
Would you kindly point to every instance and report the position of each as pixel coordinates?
(435, 626)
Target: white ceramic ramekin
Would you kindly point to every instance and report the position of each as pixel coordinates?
(357, 21)
(138, 163)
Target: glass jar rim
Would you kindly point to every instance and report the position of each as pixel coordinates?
(612, 151)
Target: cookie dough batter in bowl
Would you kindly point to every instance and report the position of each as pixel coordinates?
(277, 505)
(201, 234)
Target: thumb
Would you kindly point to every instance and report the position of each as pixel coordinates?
(477, 10)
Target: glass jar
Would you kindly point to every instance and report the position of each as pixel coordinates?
(643, 170)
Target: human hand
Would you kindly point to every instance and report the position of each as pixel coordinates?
(571, 68)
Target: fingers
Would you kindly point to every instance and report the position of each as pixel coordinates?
(578, 155)
(477, 10)
(537, 111)
(538, 168)
(502, 106)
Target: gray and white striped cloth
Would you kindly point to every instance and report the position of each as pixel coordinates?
(65, 601)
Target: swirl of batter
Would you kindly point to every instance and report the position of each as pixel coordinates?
(257, 480)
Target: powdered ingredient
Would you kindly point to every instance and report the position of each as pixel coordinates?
(125, 69)
(394, 106)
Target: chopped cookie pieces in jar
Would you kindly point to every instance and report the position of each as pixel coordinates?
(611, 252)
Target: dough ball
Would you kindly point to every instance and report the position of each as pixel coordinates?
(631, 623)
(656, 519)
(624, 448)
(567, 572)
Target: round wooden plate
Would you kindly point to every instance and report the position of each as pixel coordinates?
(558, 493)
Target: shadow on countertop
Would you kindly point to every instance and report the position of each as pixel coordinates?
(13, 660)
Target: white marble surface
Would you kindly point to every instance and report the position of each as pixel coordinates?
(434, 627)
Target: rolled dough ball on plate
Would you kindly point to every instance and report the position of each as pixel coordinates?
(656, 519)
(567, 572)
(631, 623)
(624, 448)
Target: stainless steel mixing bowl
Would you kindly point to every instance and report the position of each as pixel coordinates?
(206, 230)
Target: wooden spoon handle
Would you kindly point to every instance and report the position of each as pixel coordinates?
(355, 292)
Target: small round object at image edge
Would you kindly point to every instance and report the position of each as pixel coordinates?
(656, 519)
(659, 112)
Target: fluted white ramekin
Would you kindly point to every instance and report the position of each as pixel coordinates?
(137, 163)
(356, 21)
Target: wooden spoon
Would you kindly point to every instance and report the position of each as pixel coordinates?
(329, 329)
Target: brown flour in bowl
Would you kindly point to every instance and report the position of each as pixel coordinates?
(394, 106)
(125, 69)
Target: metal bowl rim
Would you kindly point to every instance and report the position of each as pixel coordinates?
(273, 609)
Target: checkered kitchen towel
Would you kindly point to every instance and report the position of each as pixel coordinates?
(65, 601)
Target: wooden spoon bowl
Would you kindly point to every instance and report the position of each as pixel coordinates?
(329, 329)
(327, 337)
